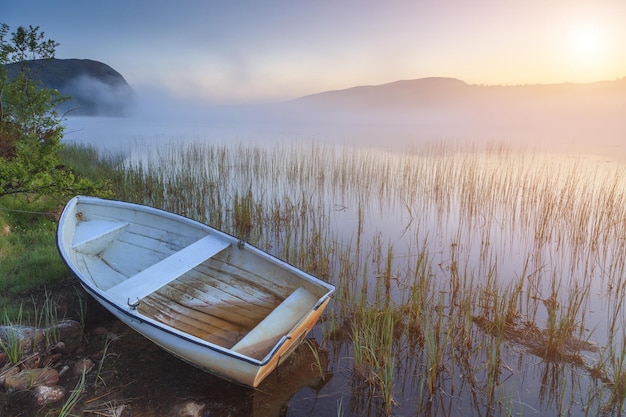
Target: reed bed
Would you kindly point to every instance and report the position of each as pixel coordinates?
(488, 279)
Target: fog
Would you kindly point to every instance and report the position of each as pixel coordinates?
(565, 118)
(91, 96)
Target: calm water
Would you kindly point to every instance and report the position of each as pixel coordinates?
(554, 221)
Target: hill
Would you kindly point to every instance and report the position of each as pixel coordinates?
(394, 94)
(451, 92)
(95, 88)
(452, 102)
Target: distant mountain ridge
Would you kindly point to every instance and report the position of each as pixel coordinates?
(449, 106)
(95, 88)
(396, 92)
(423, 84)
(449, 92)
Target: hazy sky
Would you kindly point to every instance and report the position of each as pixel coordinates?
(235, 51)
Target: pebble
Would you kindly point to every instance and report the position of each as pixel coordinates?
(30, 378)
(4, 375)
(83, 366)
(193, 409)
(64, 370)
(44, 394)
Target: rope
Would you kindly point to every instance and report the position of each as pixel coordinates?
(26, 211)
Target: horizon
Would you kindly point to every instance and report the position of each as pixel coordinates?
(617, 79)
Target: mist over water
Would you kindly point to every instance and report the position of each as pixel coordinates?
(585, 120)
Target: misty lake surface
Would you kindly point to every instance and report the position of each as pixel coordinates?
(496, 268)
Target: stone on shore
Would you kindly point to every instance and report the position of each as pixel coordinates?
(30, 378)
(83, 366)
(44, 395)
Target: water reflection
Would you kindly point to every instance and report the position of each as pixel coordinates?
(469, 250)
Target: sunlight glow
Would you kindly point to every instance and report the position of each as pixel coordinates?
(588, 41)
(589, 50)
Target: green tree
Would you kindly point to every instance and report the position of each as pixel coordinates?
(30, 126)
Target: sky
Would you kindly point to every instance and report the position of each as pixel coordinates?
(235, 51)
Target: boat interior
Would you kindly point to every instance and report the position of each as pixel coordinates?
(196, 282)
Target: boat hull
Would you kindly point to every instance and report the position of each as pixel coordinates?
(213, 301)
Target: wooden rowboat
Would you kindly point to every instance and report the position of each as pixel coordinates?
(201, 294)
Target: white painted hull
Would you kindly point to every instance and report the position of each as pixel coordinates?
(221, 305)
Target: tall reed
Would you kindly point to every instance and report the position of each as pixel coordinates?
(443, 257)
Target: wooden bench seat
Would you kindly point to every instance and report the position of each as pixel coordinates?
(93, 236)
(264, 336)
(167, 270)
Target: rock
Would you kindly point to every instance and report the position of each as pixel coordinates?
(30, 378)
(192, 409)
(32, 362)
(50, 360)
(57, 348)
(118, 411)
(32, 340)
(68, 332)
(71, 334)
(44, 394)
(103, 334)
(83, 366)
(24, 335)
(5, 374)
(100, 332)
(63, 370)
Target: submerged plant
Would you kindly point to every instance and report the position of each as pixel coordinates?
(318, 361)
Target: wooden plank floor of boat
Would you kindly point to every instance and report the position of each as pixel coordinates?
(211, 305)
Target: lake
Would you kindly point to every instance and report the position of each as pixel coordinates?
(474, 276)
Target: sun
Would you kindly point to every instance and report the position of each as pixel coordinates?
(588, 41)
(587, 50)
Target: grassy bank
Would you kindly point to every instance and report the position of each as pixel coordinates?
(28, 254)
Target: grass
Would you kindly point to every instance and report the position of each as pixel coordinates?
(46, 317)
(373, 342)
(442, 258)
(16, 317)
(316, 355)
(105, 354)
(10, 340)
(28, 254)
(73, 398)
